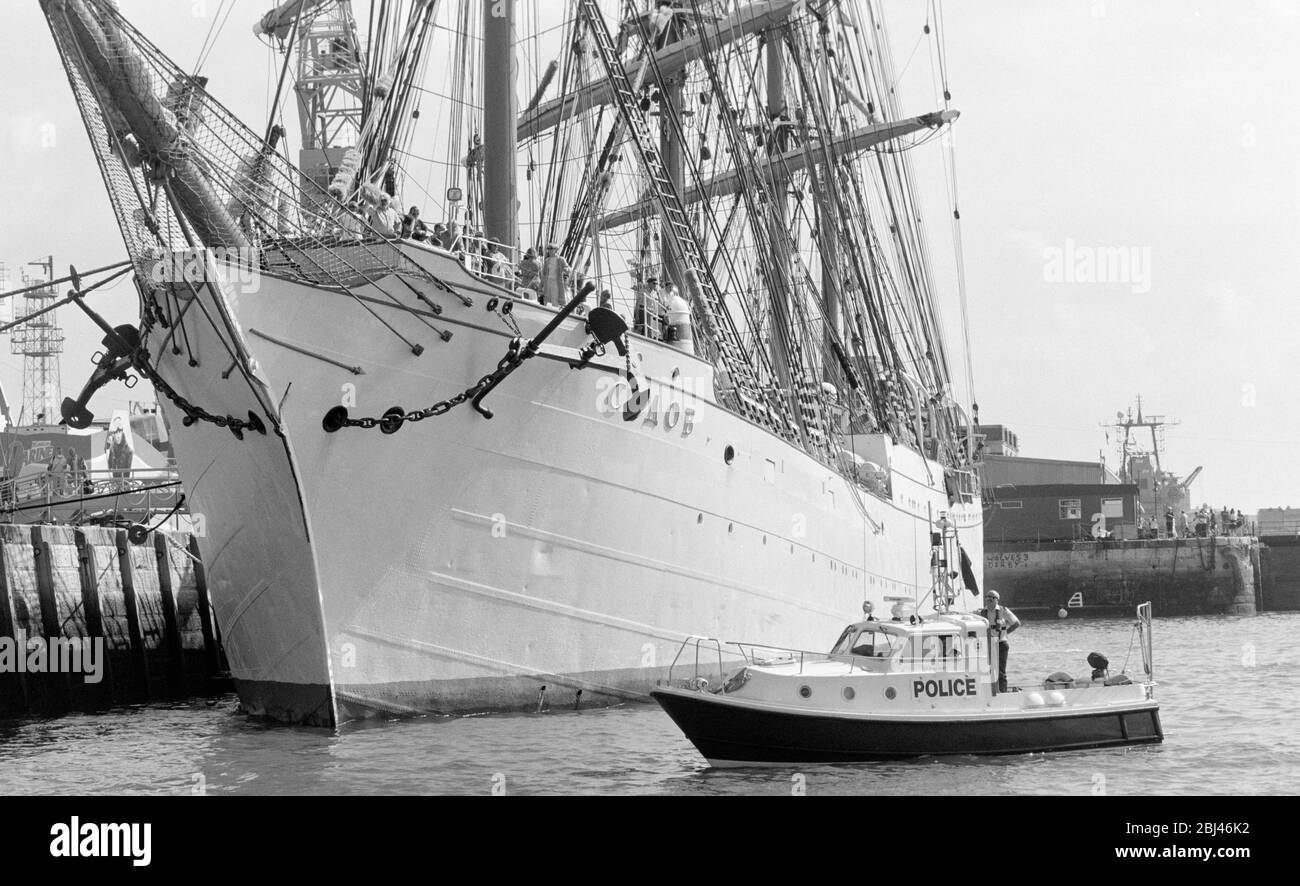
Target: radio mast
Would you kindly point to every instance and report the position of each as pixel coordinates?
(40, 343)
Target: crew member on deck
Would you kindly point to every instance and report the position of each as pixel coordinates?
(412, 226)
(530, 271)
(649, 309)
(555, 277)
(1002, 622)
(385, 218)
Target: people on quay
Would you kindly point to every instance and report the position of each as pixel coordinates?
(1238, 521)
(58, 473)
(77, 464)
(1182, 524)
(1002, 623)
(1169, 521)
(117, 448)
(555, 277)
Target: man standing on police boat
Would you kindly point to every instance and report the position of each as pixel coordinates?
(1002, 621)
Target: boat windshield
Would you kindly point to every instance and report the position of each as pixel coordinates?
(866, 640)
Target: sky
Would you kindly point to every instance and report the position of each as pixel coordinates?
(1129, 180)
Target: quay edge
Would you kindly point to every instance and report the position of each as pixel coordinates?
(1180, 576)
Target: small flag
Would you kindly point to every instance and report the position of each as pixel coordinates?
(968, 572)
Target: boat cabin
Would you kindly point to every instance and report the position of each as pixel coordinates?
(948, 642)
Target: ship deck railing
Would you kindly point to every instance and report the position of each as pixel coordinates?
(134, 491)
(476, 255)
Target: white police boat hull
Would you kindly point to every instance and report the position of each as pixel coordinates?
(920, 690)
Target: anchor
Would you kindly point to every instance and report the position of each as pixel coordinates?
(519, 352)
(111, 364)
(605, 326)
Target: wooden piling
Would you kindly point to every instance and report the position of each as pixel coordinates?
(13, 684)
(91, 584)
(172, 633)
(139, 658)
(59, 685)
(101, 692)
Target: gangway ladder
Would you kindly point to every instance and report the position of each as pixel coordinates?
(681, 236)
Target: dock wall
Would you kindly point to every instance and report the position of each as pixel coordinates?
(1192, 576)
(1279, 557)
(143, 608)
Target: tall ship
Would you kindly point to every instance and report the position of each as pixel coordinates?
(665, 355)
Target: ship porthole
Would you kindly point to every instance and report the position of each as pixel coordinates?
(848, 693)
(805, 691)
(890, 693)
(731, 527)
(699, 518)
(729, 454)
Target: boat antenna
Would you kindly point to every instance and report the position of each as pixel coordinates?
(943, 542)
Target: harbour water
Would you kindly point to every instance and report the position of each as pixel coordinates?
(1227, 690)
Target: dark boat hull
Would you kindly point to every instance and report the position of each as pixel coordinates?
(735, 734)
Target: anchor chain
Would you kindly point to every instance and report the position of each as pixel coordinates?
(392, 420)
(193, 413)
(519, 351)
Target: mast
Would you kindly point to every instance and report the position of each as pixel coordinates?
(1153, 423)
(778, 217)
(500, 118)
(826, 221)
(670, 92)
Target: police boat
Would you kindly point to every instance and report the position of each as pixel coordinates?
(897, 689)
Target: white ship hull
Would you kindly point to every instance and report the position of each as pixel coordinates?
(462, 564)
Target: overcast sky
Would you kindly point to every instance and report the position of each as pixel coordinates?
(1165, 133)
